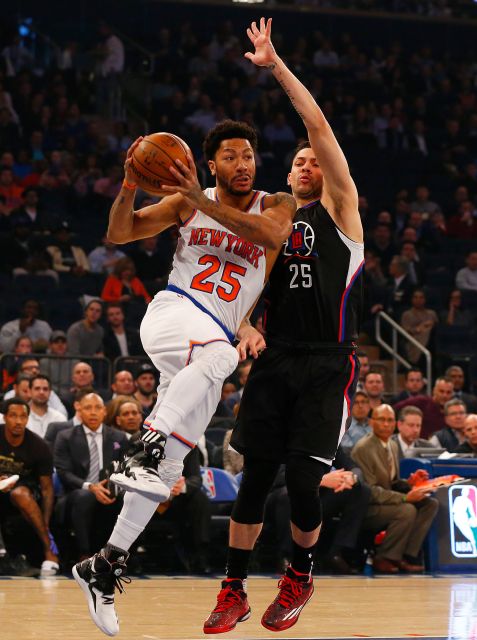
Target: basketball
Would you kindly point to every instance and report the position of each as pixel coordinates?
(152, 158)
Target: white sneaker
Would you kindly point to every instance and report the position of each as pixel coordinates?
(98, 577)
(148, 476)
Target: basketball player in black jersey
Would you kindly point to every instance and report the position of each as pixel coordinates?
(298, 396)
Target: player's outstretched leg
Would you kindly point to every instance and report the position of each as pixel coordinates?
(294, 592)
(99, 577)
(232, 607)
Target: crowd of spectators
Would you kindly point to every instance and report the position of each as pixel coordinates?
(73, 300)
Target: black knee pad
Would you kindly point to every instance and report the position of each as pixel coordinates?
(257, 479)
(303, 477)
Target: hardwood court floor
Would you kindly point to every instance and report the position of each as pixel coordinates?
(168, 608)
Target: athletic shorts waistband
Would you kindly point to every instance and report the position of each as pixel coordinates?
(312, 347)
(181, 292)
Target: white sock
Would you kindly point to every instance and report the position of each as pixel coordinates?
(135, 515)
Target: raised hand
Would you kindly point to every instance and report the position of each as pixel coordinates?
(264, 55)
(128, 174)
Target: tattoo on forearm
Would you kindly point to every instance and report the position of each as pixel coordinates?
(289, 94)
(272, 66)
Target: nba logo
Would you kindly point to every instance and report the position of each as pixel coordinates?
(208, 483)
(463, 520)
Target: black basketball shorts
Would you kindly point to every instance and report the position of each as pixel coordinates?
(296, 403)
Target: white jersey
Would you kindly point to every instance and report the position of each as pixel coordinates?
(220, 271)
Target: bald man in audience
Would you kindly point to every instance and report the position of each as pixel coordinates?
(403, 510)
(470, 433)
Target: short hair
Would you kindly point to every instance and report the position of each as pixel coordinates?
(114, 305)
(122, 264)
(304, 144)
(40, 376)
(361, 393)
(373, 372)
(412, 370)
(403, 263)
(411, 410)
(15, 401)
(226, 130)
(453, 366)
(455, 402)
(443, 379)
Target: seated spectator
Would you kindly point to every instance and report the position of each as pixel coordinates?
(57, 368)
(67, 257)
(432, 407)
(456, 374)
(416, 269)
(455, 315)
(82, 377)
(28, 324)
(25, 454)
(41, 414)
(85, 337)
(82, 454)
(400, 289)
(54, 428)
(373, 273)
(23, 346)
(8, 188)
(31, 367)
(422, 202)
(119, 340)
(466, 278)
(414, 384)
(123, 285)
(382, 245)
(223, 410)
(29, 213)
(123, 384)
(396, 505)
(279, 131)
(103, 259)
(127, 416)
(373, 386)
(419, 322)
(364, 367)
(109, 186)
(146, 380)
(452, 435)
(359, 426)
(21, 388)
(470, 433)
(409, 427)
(464, 224)
(243, 371)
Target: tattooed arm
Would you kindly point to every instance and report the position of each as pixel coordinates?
(339, 195)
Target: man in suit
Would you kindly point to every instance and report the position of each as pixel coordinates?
(82, 453)
(54, 428)
(119, 340)
(409, 427)
(402, 509)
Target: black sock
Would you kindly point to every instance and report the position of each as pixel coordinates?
(302, 559)
(237, 563)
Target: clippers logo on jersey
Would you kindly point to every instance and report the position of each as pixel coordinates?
(300, 242)
(229, 242)
(463, 520)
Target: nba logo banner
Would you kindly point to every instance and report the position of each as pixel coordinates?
(463, 520)
(208, 483)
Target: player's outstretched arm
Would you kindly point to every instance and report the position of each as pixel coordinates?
(126, 225)
(339, 191)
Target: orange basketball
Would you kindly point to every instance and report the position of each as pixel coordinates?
(152, 158)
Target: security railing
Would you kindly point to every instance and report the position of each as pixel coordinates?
(392, 348)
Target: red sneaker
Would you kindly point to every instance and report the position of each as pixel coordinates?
(295, 591)
(232, 607)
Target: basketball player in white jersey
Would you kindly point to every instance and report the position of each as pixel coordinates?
(218, 273)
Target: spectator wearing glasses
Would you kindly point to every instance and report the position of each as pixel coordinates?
(452, 435)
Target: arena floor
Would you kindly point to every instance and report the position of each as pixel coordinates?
(157, 608)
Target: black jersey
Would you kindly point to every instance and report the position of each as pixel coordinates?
(315, 292)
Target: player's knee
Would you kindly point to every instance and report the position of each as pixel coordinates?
(218, 360)
(303, 477)
(258, 477)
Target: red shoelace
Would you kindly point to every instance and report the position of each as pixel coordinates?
(226, 599)
(289, 590)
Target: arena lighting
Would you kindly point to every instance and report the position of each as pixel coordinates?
(261, 1)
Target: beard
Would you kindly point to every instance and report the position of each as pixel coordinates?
(228, 186)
